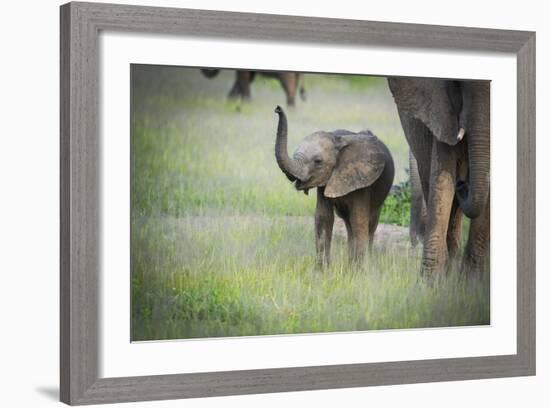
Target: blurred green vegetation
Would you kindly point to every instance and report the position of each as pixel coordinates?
(194, 152)
(397, 207)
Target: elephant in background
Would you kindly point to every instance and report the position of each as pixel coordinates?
(353, 174)
(290, 81)
(446, 124)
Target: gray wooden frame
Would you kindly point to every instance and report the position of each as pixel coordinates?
(80, 234)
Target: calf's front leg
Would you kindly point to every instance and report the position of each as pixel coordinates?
(324, 221)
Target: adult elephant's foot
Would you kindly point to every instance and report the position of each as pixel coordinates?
(356, 254)
(476, 255)
(473, 265)
(434, 266)
(322, 262)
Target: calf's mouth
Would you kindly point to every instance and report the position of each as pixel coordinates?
(302, 186)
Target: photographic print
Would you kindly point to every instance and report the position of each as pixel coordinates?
(274, 203)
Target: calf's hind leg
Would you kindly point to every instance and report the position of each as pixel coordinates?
(359, 219)
(374, 217)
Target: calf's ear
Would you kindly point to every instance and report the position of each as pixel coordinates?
(359, 164)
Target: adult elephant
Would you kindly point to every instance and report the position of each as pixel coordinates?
(291, 82)
(446, 124)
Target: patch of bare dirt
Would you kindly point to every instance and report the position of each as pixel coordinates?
(387, 235)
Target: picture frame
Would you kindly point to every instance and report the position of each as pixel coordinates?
(80, 234)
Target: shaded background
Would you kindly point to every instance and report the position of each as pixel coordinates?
(220, 154)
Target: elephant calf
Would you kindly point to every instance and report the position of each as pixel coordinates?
(353, 174)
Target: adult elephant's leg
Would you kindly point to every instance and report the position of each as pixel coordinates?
(478, 244)
(289, 83)
(324, 221)
(235, 90)
(241, 87)
(420, 142)
(454, 233)
(439, 205)
(300, 84)
(418, 204)
(244, 83)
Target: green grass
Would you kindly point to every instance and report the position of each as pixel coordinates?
(222, 244)
(245, 275)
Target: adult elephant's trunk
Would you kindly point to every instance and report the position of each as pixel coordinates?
(290, 167)
(475, 118)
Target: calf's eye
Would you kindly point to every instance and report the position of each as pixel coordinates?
(318, 161)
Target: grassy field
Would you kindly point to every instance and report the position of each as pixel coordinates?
(222, 244)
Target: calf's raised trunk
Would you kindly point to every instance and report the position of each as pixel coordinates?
(291, 167)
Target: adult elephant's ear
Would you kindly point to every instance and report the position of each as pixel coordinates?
(435, 102)
(360, 162)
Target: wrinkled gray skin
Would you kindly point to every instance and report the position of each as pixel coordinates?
(290, 82)
(417, 224)
(353, 174)
(446, 124)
